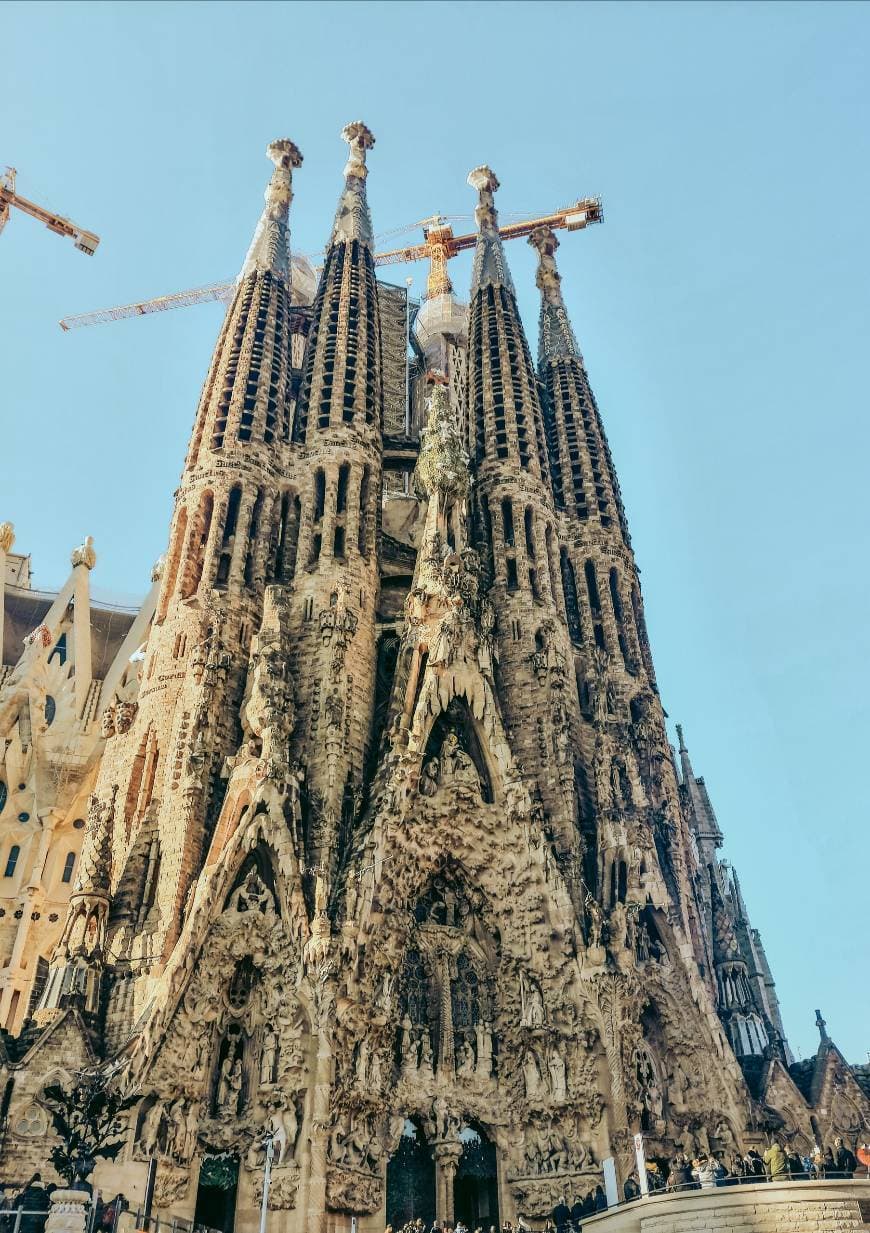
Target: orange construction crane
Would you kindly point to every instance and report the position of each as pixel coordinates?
(439, 245)
(84, 241)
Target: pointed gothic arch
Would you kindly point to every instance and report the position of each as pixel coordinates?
(458, 718)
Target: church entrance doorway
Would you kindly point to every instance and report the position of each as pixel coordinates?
(216, 1193)
(411, 1179)
(475, 1189)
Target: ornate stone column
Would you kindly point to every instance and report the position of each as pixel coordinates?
(446, 1163)
(69, 1211)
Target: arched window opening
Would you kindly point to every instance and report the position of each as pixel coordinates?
(253, 536)
(616, 601)
(622, 882)
(485, 537)
(569, 590)
(338, 542)
(551, 573)
(512, 580)
(288, 538)
(341, 491)
(68, 866)
(50, 709)
(594, 604)
(316, 545)
(4, 795)
(232, 516)
(363, 533)
(59, 652)
(507, 522)
(12, 860)
(197, 541)
(529, 528)
(319, 494)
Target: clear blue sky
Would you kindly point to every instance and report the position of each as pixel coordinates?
(722, 308)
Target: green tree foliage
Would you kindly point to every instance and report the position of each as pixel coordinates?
(88, 1121)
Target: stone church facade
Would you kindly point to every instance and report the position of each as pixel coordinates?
(365, 831)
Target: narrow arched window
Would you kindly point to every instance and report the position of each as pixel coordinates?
(319, 494)
(362, 535)
(4, 795)
(507, 522)
(616, 601)
(569, 589)
(529, 526)
(12, 860)
(594, 604)
(68, 867)
(50, 709)
(341, 491)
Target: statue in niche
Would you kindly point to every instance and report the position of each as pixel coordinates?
(253, 895)
(465, 1060)
(375, 1075)
(176, 1132)
(450, 633)
(531, 1075)
(429, 777)
(409, 1047)
(486, 652)
(268, 1056)
(483, 1034)
(558, 1075)
(532, 1003)
(149, 1135)
(426, 1055)
(333, 709)
(595, 918)
(284, 1127)
(457, 765)
(230, 1085)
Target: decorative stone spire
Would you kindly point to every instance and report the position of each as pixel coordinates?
(556, 338)
(352, 218)
(823, 1028)
(7, 536)
(490, 267)
(341, 379)
(270, 247)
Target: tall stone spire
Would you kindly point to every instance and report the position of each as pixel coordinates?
(583, 476)
(270, 247)
(490, 267)
(338, 424)
(506, 417)
(556, 339)
(342, 381)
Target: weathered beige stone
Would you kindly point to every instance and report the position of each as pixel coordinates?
(382, 824)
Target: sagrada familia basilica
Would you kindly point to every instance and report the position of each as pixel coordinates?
(364, 831)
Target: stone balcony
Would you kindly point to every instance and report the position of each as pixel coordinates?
(770, 1207)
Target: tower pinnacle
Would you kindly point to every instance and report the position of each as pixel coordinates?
(352, 218)
(270, 247)
(556, 338)
(490, 268)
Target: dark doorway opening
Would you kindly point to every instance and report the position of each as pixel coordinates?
(475, 1190)
(216, 1193)
(411, 1179)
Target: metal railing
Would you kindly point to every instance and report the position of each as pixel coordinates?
(134, 1220)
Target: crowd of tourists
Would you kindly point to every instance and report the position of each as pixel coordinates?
(779, 1163)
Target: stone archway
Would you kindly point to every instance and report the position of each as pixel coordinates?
(411, 1179)
(475, 1186)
